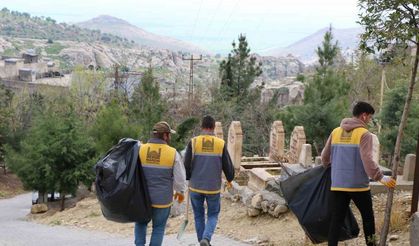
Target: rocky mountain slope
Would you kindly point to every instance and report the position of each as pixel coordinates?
(168, 65)
(119, 27)
(72, 45)
(23, 25)
(305, 49)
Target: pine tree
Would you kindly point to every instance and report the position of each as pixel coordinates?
(325, 97)
(390, 119)
(327, 83)
(239, 70)
(146, 106)
(6, 113)
(328, 52)
(56, 153)
(110, 126)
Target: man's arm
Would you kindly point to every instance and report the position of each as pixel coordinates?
(326, 152)
(187, 162)
(366, 151)
(179, 184)
(228, 167)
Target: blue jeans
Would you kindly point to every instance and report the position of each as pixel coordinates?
(159, 218)
(205, 230)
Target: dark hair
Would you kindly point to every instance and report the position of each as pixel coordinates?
(208, 122)
(159, 135)
(362, 107)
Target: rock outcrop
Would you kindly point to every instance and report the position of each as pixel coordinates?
(169, 66)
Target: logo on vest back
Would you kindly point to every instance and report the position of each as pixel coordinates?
(207, 145)
(153, 156)
(346, 136)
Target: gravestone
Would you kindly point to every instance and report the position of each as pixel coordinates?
(218, 130)
(235, 142)
(375, 149)
(409, 167)
(318, 160)
(306, 156)
(298, 138)
(276, 140)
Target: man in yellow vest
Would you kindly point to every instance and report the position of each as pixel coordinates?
(164, 172)
(205, 158)
(349, 151)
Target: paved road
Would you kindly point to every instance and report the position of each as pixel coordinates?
(14, 230)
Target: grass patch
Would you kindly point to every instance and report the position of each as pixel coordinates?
(10, 52)
(64, 63)
(94, 214)
(2, 194)
(55, 222)
(54, 48)
(398, 219)
(28, 44)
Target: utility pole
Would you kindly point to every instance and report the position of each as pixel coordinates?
(174, 94)
(116, 81)
(191, 85)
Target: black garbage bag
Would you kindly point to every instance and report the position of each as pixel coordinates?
(120, 184)
(308, 196)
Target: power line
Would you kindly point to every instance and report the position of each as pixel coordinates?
(211, 19)
(227, 22)
(196, 18)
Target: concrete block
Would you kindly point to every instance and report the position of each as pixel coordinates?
(409, 167)
(377, 187)
(305, 157)
(318, 160)
(259, 177)
(414, 229)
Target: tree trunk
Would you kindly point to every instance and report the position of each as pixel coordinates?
(383, 79)
(396, 156)
(62, 201)
(42, 197)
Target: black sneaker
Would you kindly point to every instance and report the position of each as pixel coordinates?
(204, 242)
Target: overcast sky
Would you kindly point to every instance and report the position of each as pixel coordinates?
(211, 24)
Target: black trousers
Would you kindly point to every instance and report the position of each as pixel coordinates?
(339, 205)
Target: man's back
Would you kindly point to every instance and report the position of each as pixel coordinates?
(157, 159)
(207, 152)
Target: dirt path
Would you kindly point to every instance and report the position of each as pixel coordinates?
(15, 230)
(235, 224)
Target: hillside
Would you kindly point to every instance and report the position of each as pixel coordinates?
(70, 45)
(305, 49)
(122, 28)
(10, 185)
(168, 65)
(22, 25)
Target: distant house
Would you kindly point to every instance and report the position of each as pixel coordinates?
(30, 57)
(27, 74)
(13, 62)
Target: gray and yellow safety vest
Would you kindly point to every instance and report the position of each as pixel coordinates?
(348, 173)
(157, 159)
(207, 151)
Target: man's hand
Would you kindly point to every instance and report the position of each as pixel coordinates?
(179, 197)
(388, 181)
(228, 185)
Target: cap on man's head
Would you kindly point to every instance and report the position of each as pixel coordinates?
(162, 127)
